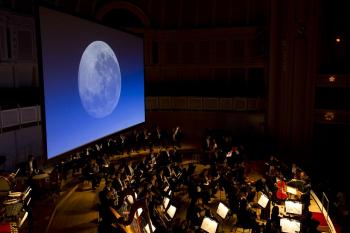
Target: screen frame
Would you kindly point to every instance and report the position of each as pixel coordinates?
(39, 51)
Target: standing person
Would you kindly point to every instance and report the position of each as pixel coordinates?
(177, 135)
(31, 166)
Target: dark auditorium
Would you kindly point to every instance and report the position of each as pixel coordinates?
(174, 116)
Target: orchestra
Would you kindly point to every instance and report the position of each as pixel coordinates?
(130, 183)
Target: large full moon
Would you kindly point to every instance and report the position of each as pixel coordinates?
(99, 79)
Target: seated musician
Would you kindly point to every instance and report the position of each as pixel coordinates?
(195, 213)
(273, 223)
(155, 215)
(162, 181)
(118, 183)
(205, 184)
(92, 173)
(171, 176)
(109, 223)
(247, 216)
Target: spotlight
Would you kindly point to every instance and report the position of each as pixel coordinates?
(329, 116)
(331, 78)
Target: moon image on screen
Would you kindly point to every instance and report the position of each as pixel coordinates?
(99, 79)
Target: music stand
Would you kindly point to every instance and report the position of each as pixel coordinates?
(222, 210)
(263, 200)
(294, 207)
(290, 225)
(292, 190)
(170, 212)
(209, 225)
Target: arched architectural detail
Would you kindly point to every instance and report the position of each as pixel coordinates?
(138, 12)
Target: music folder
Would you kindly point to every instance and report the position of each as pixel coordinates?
(209, 225)
(294, 207)
(290, 225)
(263, 200)
(222, 210)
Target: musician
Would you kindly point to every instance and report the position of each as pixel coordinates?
(92, 173)
(155, 215)
(205, 184)
(177, 135)
(118, 184)
(247, 215)
(273, 223)
(162, 180)
(206, 148)
(109, 223)
(194, 213)
(31, 166)
(129, 170)
(107, 193)
(262, 186)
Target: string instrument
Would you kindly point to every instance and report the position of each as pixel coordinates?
(126, 221)
(281, 193)
(8, 227)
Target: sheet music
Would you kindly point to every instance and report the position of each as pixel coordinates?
(222, 210)
(138, 213)
(130, 199)
(293, 207)
(263, 200)
(166, 188)
(171, 211)
(148, 230)
(291, 190)
(23, 219)
(289, 225)
(166, 202)
(209, 225)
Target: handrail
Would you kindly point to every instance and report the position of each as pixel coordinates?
(323, 210)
